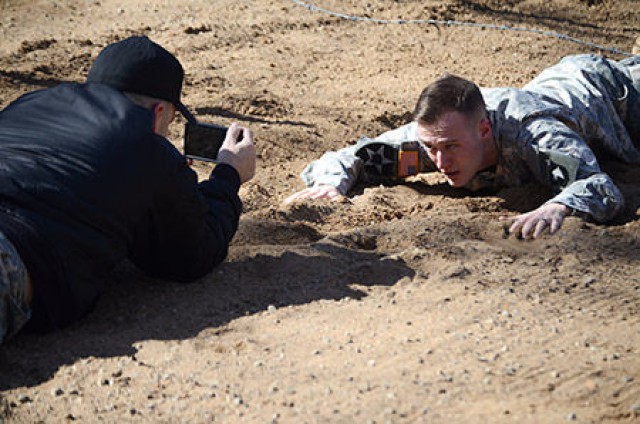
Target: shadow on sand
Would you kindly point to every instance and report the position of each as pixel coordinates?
(137, 308)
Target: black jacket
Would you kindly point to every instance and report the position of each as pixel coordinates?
(85, 183)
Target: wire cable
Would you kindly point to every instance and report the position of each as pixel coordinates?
(564, 37)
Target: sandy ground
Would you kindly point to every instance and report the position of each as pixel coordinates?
(403, 303)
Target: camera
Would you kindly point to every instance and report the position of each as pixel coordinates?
(203, 141)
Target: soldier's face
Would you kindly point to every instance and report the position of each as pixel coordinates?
(455, 145)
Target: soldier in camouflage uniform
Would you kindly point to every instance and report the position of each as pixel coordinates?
(545, 132)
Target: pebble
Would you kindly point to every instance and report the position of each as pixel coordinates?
(588, 281)
(572, 416)
(24, 399)
(104, 382)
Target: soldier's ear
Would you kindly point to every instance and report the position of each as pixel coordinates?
(485, 128)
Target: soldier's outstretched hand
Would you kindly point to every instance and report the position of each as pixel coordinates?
(314, 193)
(534, 223)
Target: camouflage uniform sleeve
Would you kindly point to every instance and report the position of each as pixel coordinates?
(561, 159)
(342, 168)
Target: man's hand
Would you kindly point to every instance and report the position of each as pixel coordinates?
(241, 154)
(535, 222)
(315, 192)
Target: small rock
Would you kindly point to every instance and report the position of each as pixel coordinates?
(572, 416)
(24, 399)
(389, 411)
(588, 281)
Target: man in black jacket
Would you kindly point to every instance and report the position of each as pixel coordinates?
(88, 178)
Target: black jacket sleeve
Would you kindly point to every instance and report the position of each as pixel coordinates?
(189, 226)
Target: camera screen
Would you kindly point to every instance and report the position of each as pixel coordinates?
(203, 141)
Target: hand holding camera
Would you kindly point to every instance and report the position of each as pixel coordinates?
(239, 151)
(214, 143)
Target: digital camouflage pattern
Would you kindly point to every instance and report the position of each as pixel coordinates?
(545, 132)
(13, 312)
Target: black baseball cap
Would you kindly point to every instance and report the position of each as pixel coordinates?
(138, 65)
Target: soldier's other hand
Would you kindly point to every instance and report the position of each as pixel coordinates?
(315, 192)
(534, 223)
(239, 151)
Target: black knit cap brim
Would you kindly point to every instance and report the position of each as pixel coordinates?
(138, 65)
